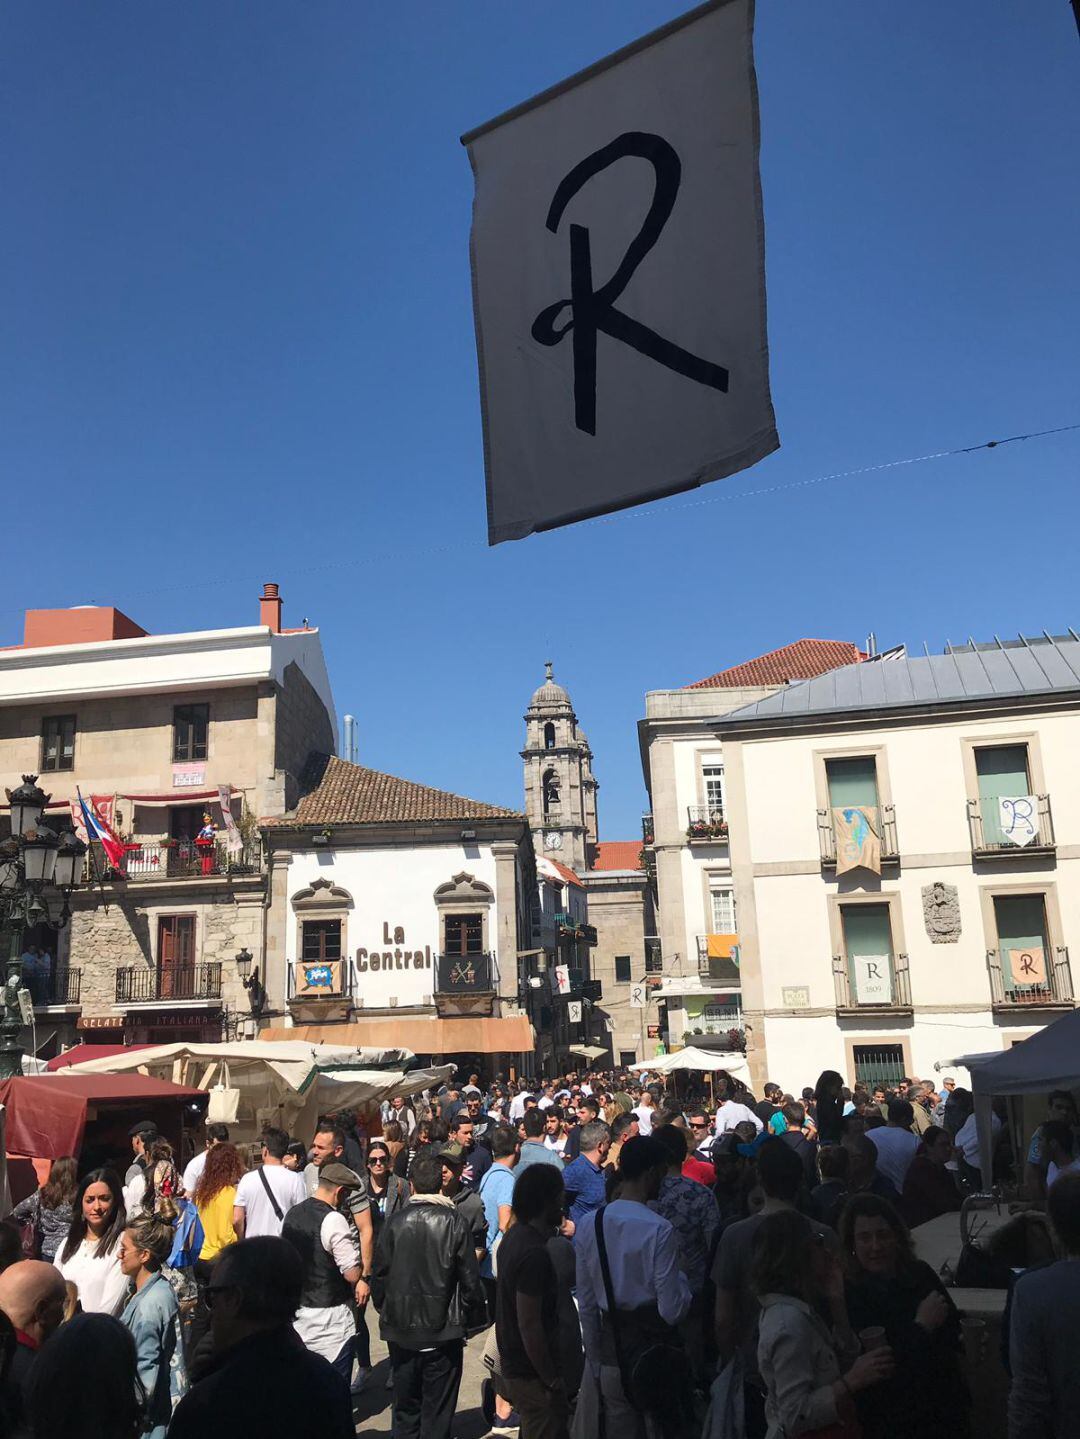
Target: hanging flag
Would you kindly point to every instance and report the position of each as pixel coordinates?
(873, 978)
(234, 842)
(77, 822)
(1018, 818)
(619, 279)
(858, 839)
(1028, 968)
(97, 828)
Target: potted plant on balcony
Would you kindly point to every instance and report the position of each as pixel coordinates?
(718, 829)
(736, 1038)
(700, 829)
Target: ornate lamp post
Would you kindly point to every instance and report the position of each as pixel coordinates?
(37, 866)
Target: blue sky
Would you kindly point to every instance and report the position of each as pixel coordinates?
(237, 345)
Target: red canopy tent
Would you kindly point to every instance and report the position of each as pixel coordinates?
(80, 1053)
(88, 1115)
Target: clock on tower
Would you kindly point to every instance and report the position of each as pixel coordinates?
(553, 840)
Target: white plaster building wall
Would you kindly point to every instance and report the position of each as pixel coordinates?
(950, 984)
(394, 887)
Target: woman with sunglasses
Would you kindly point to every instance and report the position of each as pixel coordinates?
(385, 1190)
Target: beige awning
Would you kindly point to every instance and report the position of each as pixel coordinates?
(588, 1051)
(423, 1034)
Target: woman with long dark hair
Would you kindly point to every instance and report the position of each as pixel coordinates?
(888, 1288)
(385, 1190)
(811, 1372)
(829, 1106)
(49, 1208)
(90, 1255)
(85, 1383)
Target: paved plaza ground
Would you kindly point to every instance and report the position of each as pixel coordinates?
(372, 1408)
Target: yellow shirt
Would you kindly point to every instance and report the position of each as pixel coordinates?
(216, 1216)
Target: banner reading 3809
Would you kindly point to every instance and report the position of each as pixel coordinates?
(619, 279)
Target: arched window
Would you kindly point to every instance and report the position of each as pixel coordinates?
(549, 736)
(551, 791)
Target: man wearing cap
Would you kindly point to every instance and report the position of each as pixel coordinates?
(466, 1201)
(142, 1136)
(333, 1283)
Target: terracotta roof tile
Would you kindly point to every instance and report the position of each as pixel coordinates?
(336, 792)
(803, 660)
(562, 871)
(617, 854)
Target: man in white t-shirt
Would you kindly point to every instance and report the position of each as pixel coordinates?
(265, 1196)
(730, 1112)
(896, 1145)
(645, 1111)
(215, 1134)
(327, 1245)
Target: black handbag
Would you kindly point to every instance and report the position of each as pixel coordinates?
(651, 1360)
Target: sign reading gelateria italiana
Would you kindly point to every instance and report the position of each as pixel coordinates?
(396, 957)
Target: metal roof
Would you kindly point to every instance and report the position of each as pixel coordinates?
(1012, 669)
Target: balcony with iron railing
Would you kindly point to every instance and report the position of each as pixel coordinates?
(169, 859)
(465, 974)
(1011, 828)
(890, 846)
(706, 824)
(315, 979)
(569, 927)
(872, 984)
(62, 987)
(169, 983)
(1032, 978)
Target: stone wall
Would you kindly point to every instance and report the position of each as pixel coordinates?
(620, 911)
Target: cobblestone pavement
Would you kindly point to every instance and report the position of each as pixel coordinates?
(372, 1407)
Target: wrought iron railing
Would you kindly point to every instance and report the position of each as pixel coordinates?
(175, 859)
(890, 845)
(1021, 976)
(889, 989)
(59, 986)
(170, 981)
(654, 957)
(706, 822)
(464, 974)
(320, 979)
(1024, 825)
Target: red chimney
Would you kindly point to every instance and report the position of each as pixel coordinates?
(270, 607)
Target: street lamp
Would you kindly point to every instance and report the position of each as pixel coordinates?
(257, 996)
(36, 867)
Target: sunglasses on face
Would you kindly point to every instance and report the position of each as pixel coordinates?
(377, 1159)
(696, 1124)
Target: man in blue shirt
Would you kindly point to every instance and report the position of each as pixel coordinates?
(533, 1148)
(497, 1193)
(584, 1176)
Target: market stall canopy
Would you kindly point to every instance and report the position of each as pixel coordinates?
(427, 1034)
(47, 1113)
(80, 1053)
(1047, 1060)
(288, 1083)
(708, 1061)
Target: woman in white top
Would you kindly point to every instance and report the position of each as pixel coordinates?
(90, 1256)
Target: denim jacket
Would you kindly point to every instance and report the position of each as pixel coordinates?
(153, 1317)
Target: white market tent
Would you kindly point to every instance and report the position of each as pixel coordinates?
(707, 1061)
(1047, 1060)
(289, 1083)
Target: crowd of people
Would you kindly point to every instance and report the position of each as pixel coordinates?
(634, 1263)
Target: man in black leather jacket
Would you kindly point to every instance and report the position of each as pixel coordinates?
(426, 1287)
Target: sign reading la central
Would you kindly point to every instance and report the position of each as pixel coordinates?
(396, 958)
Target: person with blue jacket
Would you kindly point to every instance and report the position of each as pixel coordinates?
(153, 1317)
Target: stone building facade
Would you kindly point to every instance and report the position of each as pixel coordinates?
(159, 732)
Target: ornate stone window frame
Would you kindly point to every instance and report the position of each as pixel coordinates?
(322, 899)
(463, 893)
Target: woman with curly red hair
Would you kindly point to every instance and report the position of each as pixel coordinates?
(215, 1195)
